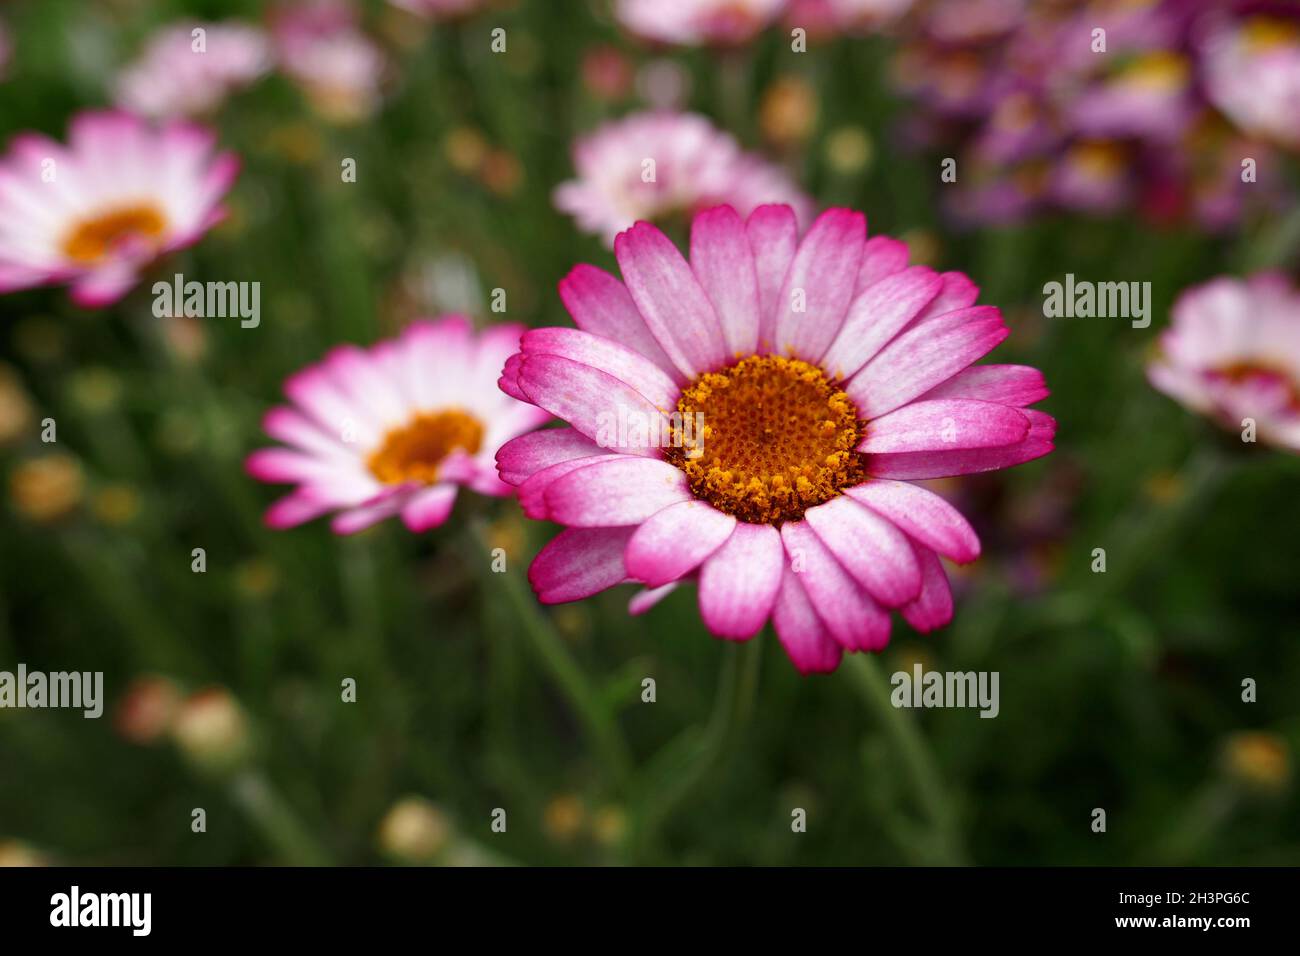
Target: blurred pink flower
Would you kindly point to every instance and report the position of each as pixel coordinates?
(440, 9)
(1232, 352)
(321, 48)
(827, 17)
(653, 165)
(96, 212)
(755, 420)
(1252, 70)
(394, 429)
(188, 69)
(698, 22)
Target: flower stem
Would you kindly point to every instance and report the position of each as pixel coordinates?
(915, 755)
(595, 718)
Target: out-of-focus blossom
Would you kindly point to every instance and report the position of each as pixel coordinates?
(655, 165)
(1232, 352)
(788, 112)
(47, 488)
(321, 47)
(1258, 759)
(189, 69)
(849, 150)
(698, 22)
(16, 413)
(1040, 117)
(211, 729)
(147, 709)
(755, 420)
(441, 9)
(394, 429)
(664, 84)
(828, 17)
(414, 830)
(96, 212)
(1252, 71)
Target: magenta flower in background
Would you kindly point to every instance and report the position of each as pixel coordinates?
(394, 429)
(698, 22)
(96, 212)
(188, 69)
(755, 419)
(1252, 71)
(321, 47)
(654, 165)
(1232, 352)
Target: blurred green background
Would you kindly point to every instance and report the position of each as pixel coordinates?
(1119, 690)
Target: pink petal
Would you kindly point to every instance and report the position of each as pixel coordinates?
(958, 292)
(294, 509)
(429, 508)
(1017, 385)
(600, 304)
(509, 380)
(773, 233)
(579, 562)
(945, 424)
(933, 607)
(968, 461)
(824, 270)
(647, 598)
(670, 300)
(724, 264)
(881, 256)
(532, 491)
(849, 612)
(363, 516)
(614, 492)
(805, 638)
(876, 316)
(593, 402)
(739, 581)
(613, 358)
(922, 514)
(528, 454)
(673, 542)
(871, 549)
(925, 356)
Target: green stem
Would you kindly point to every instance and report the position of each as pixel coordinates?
(269, 811)
(915, 755)
(596, 719)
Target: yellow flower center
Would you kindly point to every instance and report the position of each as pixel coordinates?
(414, 451)
(778, 437)
(1162, 71)
(94, 238)
(1262, 34)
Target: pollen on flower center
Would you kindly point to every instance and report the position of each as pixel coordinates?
(414, 451)
(92, 239)
(778, 438)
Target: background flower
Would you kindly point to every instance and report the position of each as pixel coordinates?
(184, 73)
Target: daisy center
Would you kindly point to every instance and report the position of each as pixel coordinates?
(778, 438)
(414, 451)
(92, 239)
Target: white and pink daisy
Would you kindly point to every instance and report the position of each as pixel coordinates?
(1252, 73)
(321, 48)
(698, 22)
(189, 69)
(655, 165)
(95, 212)
(1232, 352)
(755, 420)
(395, 429)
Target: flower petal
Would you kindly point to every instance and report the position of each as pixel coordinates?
(821, 279)
(579, 562)
(724, 264)
(925, 356)
(881, 256)
(672, 542)
(613, 358)
(933, 607)
(593, 402)
(670, 300)
(922, 514)
(429, 508)
(968, 461)
(806, 639)
(526, 455)
(849, 613)
(617, 491)
(945, 424)
(647, 598)
(773, 233)
(532, 492)
(1017, 385)
(876, 316)
(739, 581)
(601, 304)
(870, 548)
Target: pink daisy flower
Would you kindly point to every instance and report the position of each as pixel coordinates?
(698, 22)
(1253, 74)
(96, 212)
(654, 165)
(1232, 352)
(394, 429)
(755, 419)
(182, 73)
(322, 49)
